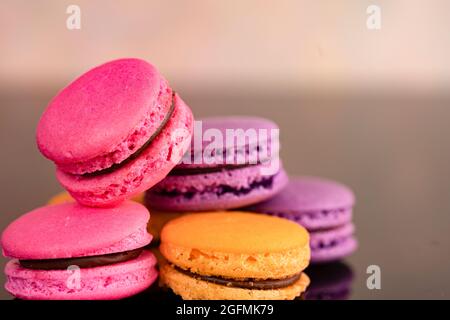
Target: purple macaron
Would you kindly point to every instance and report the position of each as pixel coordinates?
(324, 208)
(233, 162)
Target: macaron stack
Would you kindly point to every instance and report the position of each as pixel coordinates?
(232, 175)
(233, 162)
(119, 133)
(112, 133)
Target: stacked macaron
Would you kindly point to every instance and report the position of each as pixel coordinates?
(69, 251)
(112, 133)
(324, 208)
(118, 132)
(233, 162)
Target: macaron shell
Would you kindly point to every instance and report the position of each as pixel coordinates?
(71, 230)
(140, 174)
(190, 288)
(222, 190)
(267, 265)
(234, 232)
(236, 245)
(115, 281)
(332, 244)
(318, 220)
(139, 135)
(82, 121)
(308, 194)
(262, 137)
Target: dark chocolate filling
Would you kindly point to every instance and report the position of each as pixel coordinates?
(139, 151)
(220, 190)
(256, 284)
(194, 171)
(81, 262)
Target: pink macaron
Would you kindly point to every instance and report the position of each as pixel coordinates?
(114, 132)
(68, 251)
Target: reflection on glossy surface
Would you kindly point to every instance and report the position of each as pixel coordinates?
(332, 281)
(156, 293)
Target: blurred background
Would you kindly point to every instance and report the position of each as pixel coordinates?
(369, 108)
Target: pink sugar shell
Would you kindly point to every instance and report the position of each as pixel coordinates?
(114, 281)
(99, 110)
(105, 116)
(140, 174)
(71, 230)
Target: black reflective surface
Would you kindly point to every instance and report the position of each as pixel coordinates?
(390, 148)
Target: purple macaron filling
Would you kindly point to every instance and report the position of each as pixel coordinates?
(332, 244)
(320, 244)
(219, 190)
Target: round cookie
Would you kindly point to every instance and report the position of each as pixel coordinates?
(103, 249)
(114, 132)
(324, 208)
(234, 254)
(239, 169)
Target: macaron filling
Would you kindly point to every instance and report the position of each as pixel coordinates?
(183, 171)
(254, 284)
(219, 190)
(82, 262)
(331, 237)
(139, 151)
(331, 243)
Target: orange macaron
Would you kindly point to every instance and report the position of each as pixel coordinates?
(234, 255)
